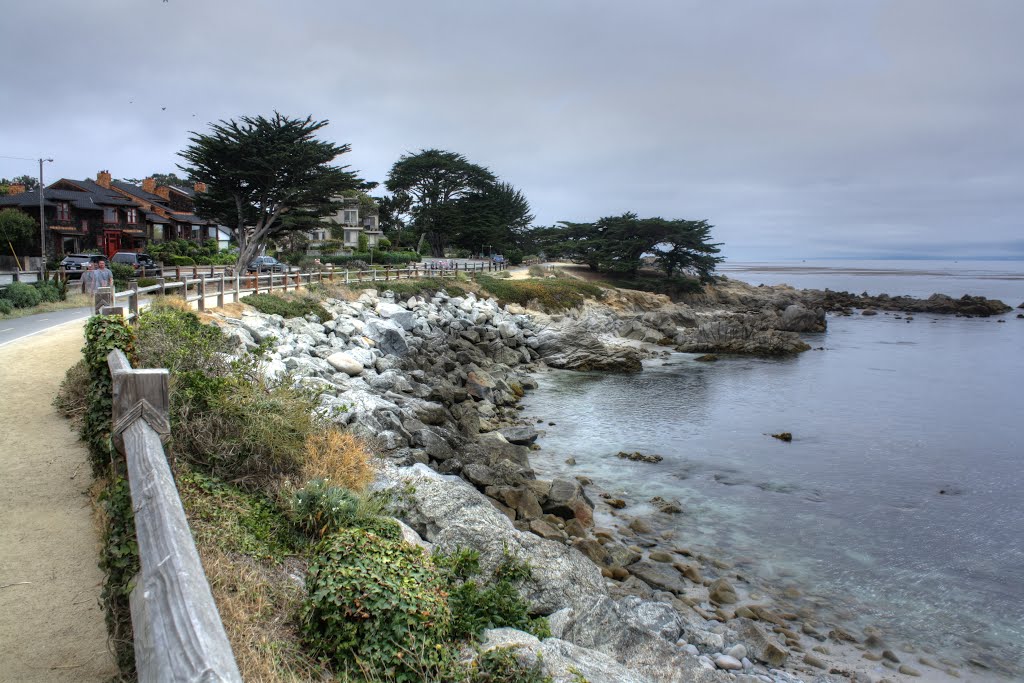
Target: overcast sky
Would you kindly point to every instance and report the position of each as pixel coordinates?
(812, 128)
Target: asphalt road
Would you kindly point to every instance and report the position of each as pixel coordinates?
(19, 328)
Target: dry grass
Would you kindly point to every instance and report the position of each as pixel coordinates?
(258, 604)
(339, 457)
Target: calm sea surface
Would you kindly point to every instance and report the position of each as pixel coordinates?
(900, 501)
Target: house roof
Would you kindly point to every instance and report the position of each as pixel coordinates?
(156, 218)
(30, 198)
(188, 218)
(137, 191)
(188, 191)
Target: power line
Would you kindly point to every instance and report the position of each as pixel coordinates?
(18, 158)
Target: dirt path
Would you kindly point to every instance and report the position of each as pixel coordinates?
(51, 626)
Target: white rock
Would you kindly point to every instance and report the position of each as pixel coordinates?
(737, 651)
(728, 663)
(343, 361)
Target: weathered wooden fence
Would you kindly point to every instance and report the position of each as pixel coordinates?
(178, 632)
(223, 286)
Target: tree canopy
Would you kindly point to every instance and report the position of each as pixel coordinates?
(454, 202)
(617, 244)
(18, 231)
(28, 181)
(260, 170)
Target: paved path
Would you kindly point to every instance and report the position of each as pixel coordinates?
(51, 625)
(17, 328)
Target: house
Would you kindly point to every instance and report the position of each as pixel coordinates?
(352, 224)
(112, 216)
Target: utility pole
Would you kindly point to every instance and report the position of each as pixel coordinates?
(42, 223)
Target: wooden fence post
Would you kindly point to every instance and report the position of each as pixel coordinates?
(104, 297)
(133, 298)
(162, 281)
(220, 291)
(202, 293)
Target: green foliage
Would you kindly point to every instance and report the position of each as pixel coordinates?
(616, 244)
(319, 508)
(266, 176)
(476, 606)
(514, 256)
(6, 307)
(435, 181)
(18, 228)
(188, 253)
(674, 287)
(286, 308)
(384, 244)
(363, 242)
(378, 603)
(552, 294)
(119, 560)
(102, 335)
(21, 295)
(234, 520)
(122, 273)
(171, 338)
(379, 258)
(175, 260)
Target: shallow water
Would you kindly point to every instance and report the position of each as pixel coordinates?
(900, 501)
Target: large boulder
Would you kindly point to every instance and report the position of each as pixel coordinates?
(578, 347)
(566, 499)
(797, 318)
(451, 514)
(739, 335)
(760, 645)
(632, 632)
(389, 336)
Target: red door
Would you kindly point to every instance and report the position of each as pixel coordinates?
(111, 242)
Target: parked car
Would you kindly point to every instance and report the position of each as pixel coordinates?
(143, 264)
(76, 264)
(266, 264)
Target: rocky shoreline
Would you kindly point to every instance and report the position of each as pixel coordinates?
(433, 383)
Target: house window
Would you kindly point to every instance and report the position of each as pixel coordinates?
(158, 232)
(132, 216)
(64, 212)
(349, 217)
(109, 215)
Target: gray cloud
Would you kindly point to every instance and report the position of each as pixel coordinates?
(799, 128)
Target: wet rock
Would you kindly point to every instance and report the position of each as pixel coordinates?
(760, 646)
(521, 436)
(545, 530)
(869, 311)
(814, 661)
(722, 592)
(660, 556)
(706, 358)
(639, 457)
(566, 499)
(908, 670)
(668, 507)
(797, 318)
(640, 526)
(658, 575)
(783, 436)
(891, 656)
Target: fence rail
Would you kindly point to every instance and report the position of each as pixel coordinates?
(178, 632)
(222, 285)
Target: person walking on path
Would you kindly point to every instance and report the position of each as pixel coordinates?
(102, 277)
(89, 280)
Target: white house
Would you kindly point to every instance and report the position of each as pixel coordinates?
(353, 224)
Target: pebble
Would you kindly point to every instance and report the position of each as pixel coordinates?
(570, 461)
(660, 556)
(692, 649)
(815, 662)
(737, 651)
(822, 649)
(872, 657)
(908, 670)
(728, 663)
(891, 656)
(640, 526)
(928, 662)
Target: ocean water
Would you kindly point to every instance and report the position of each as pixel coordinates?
(900, 501)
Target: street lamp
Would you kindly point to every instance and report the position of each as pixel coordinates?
(42, 223)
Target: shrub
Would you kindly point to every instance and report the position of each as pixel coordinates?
(514, 256)
(119, 560)
(286, 308)
(173, 338)
(148, 282)
(72, 397)
(319, 508)
(175, 260)
(6, 307)
(552, 294)
(377, 603)
(22, 295)
(103, 333)
(379, 258)
(536, 271)
(384, 244)
(50, 291)
(122, 272)
(339, 457)
(476, 606)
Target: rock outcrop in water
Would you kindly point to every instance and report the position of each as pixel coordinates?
(974, 306)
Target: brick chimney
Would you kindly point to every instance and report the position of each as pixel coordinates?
(16, 188)
(199, 187)
(164, 192)
(149, 185)
(103, 179)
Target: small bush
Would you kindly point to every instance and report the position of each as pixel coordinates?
(319, 508)
(552, 294)
(72, 397)
(476, 606)
(175, 260)
(340, 458)
(377, 604)
(536, 271)
(148, 282)
(22, 295)
(6, 307)
(50, 291)
(173, 338)
(286, 308)
(122, 272)
(103, 333)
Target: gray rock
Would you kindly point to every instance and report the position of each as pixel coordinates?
(567, 663)
(522, 436)
(390, 337)
(797, 318)
(451, 514)
(760, 645)
(728, 663)
(658, 575)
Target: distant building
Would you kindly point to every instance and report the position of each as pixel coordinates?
(352, 224)
(111, 216)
